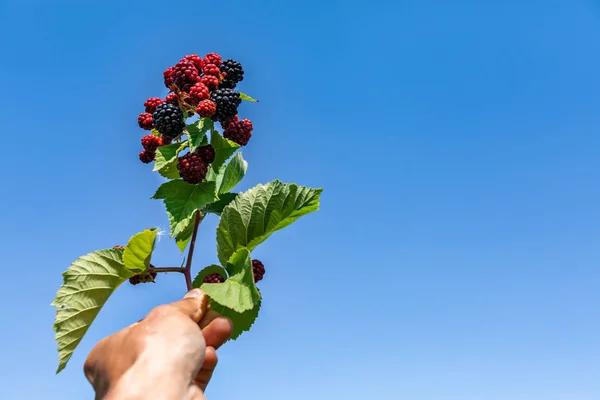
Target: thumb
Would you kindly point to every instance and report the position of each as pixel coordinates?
(193, 304)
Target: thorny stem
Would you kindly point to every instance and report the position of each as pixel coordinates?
(188, 265)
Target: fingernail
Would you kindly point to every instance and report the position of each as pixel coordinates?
(193, 293)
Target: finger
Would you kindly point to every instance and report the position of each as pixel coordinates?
(209, 317)
(217, 332)
(193, 304)
(210, 363)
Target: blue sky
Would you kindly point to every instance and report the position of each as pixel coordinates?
(456, 253)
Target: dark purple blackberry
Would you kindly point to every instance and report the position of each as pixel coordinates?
(258, 269)
(213, 278)
(227, 101)
(168, 120)
(207, 153)
(192, 168)
(185, 74)
(233, 72)
(238, 131)
(144, 277)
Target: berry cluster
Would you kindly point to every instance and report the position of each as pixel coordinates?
(198, 85)
(193, 166)
(150, 143)
(258, 270)
(214, 278)
(144, 277)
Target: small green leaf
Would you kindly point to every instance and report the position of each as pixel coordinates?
(182, 200)
(218, 206)
(224, 148)
(138, 251)
(215, 176)
(211, 269)
(183, 238)
(197, 131)
(255, 214)
(239, 291)
(87, 285)
(242, 322)
(234, 172)
(244, 96)
(166, 159)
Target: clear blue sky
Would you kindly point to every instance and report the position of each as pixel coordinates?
(456, 253)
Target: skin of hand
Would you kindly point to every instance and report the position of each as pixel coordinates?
(170, 354)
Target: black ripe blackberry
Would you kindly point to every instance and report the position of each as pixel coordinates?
(144, 277)
(192, 168)
(207, 153)
(258, 269)
(227, 101)
(168, 120)
(213, 278)
(233, 72)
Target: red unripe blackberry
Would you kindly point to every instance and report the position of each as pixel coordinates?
(144, 277)
(212, 58)
(196, 60)
(184, 74)
(211, 82)
(213, 278)
(258, 269)
(206, 108)
(225, 124)
(118, 247)
(147, 156)
(211, 69)
(168, 77)
(145, 121)
(232, 72)
(199, 92)
(150, 143)
(151, 104)
(168, 120)
(207, 153)
(192, 168)
(172, 98)
(238, 131)
(227, 101)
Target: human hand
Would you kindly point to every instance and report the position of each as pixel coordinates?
(170, 354)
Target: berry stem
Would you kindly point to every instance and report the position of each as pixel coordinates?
(188, 265)
(166, 269)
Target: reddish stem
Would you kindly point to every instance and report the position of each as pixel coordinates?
(166, 269)
(188, 266)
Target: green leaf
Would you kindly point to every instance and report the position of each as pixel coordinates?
(234, 172)
(239, 291)
(87, 285)
(166, 159)
(215, 176)
(218, 206)
(197, 131)
(224, 148)
(183, 238)
(255, 214)
(242, 322)
(138, 251)
(244, 96)
(211, 269)
(182, 200)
